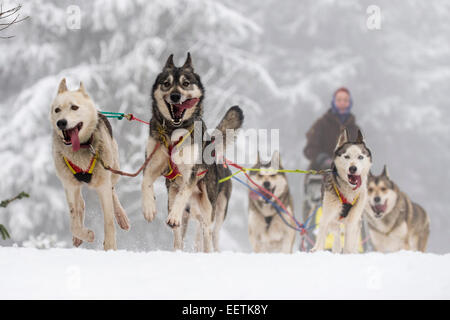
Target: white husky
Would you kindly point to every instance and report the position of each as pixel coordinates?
(81, 138)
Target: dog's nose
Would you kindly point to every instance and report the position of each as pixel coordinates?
(266, 184)
(175, 97)
(62, 124)
(377, 199)
(352, 169)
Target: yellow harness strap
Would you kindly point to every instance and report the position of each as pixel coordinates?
(80, 174)
(344, 200)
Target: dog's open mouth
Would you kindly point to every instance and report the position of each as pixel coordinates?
(71, 136)
(268, 196)
(255, 196)
(379, 208)
(354, 180)
(177, 110)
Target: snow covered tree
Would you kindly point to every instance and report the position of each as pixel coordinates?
(117, 53)
(9, 17)
(279, 60)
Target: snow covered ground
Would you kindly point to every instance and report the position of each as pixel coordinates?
(27, 273)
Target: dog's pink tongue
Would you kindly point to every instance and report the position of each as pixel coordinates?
(356, 179)
(358, 182)
(380, 207)
(73, 133)
(185, 105)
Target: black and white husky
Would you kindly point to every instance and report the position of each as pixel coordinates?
(192, 185)
(345, 194)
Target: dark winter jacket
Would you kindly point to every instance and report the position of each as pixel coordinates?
(323, 136)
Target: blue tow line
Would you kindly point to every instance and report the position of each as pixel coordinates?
(278, 208)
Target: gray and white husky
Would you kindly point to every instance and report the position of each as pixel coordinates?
(395, 222)
(193, 188)
(267, 231)
(345, 194)
(79, 130)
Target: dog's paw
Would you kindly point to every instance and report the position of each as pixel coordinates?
(173, 222)
(336, 250)
(149, 215)
(149, 211)
(109, 245)
(76, 242)
(90, 236)
(122, 220)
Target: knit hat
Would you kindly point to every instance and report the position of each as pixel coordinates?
(342, 116)
(344, 89)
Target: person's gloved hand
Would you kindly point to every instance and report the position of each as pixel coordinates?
(327, 163)
(324, 161)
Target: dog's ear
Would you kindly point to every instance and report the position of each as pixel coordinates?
(275, 162)
(343, 138)
(62, 86)
(385, 172)
(82, 89)
(370, 174)
(169, 63)
(360, 138)
(188, 63)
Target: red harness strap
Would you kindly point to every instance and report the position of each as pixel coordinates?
(173, 168)
(202, 172)
(342, 197)
(80, 174)
(346, 205)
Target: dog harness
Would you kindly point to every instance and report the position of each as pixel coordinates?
(346, 205)
(174, 172)
(80, 174)
(173, 168)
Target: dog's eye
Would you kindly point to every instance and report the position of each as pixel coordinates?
(384, 189)
(360, 157)
(185, 83)
(166, 84)
(57, 110)
(347, 157)
(74, 108)
(370, 190)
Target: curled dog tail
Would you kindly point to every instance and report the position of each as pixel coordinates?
(233, 119)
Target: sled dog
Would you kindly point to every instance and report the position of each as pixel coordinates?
(192, 186)
(267, 231)
(82, 137)
(345, 194)
(395, 222)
